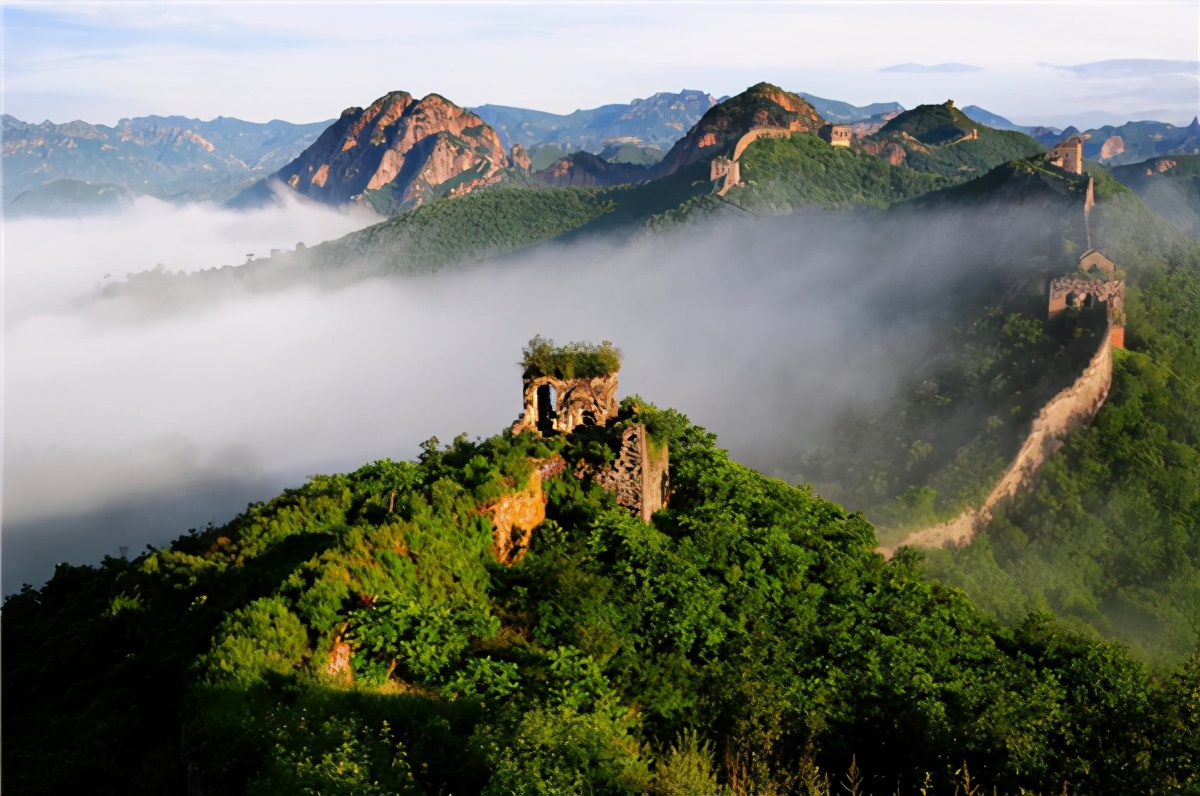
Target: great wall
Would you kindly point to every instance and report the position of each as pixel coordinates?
(1096, 282)
(727, 170)
(1069, 410)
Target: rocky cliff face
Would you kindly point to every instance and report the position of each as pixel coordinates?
(1112, 146)
(410, 148)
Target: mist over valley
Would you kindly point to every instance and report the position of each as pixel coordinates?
(733, 441)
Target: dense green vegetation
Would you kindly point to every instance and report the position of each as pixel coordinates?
(749, 640)
(803, 170)
(571, 361)
(931, 138)
(481, 224)
(932, 124)
(959, 420)
(1111, 535)
(473, 227)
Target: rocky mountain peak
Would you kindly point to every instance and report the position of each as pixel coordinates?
(410, 149)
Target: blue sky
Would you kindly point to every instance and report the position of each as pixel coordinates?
(308, 61)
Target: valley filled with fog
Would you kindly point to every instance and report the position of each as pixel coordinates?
(125, 428)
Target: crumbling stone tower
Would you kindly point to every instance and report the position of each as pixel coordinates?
(1067, 155)
(575, 386)
(835, 134)
(569, 386)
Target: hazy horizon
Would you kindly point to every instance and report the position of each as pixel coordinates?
(304, 62)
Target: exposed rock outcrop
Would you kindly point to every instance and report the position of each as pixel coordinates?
(1112, 146)
(520, 158)
(410, 147)
(515, 515)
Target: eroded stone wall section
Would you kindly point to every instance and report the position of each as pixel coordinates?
(639, 478)
(514, 516)
(1071, 409)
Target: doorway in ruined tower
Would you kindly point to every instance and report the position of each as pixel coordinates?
(545, 408)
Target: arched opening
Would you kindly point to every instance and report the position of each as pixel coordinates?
(1073, 299)
(1089, 300)
(589, 417)
(545, 408)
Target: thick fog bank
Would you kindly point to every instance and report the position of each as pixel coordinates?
(123, 434)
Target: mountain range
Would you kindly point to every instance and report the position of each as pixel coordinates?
(492, 618)
(171, 157)
(79, 168)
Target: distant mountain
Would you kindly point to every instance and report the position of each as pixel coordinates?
(717, 131)
(1133, 142)
(998, 122)
(1170, 186)
(844, 112)
(169, 157)
(68, 199)
(659, 120)
(941, 139)
(396, 153)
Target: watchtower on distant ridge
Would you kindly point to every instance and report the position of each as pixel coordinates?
(1067, 155)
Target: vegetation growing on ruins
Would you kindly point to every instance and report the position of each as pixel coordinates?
(571, 361)
(748, 641)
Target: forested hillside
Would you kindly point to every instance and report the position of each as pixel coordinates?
(1111, 535)
(748, 640)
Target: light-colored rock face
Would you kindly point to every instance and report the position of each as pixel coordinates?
(515, 515)
(410, 146)
(1112, 146)
(520, 158)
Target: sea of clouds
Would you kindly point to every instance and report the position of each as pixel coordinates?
(125, 428)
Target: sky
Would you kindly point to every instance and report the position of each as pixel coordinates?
(1029, 61)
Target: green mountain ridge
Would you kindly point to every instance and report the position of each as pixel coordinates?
(356, 635)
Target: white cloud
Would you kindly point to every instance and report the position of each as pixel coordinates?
(308, 61)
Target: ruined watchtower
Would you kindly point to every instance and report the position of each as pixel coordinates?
(1067, 155)
(568, 386)
(573, 386)
(835, 134)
